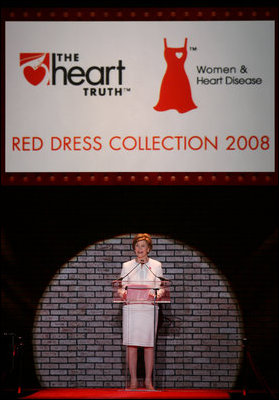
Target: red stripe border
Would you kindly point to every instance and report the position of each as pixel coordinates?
(139, 14)
(139, 178)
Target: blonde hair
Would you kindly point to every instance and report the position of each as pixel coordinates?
(142, 236)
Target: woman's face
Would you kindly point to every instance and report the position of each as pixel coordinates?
(142, 250)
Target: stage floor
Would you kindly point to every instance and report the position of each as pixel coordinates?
(127, 394)
(117, 393)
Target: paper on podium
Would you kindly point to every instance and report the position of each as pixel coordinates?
(138, 293)
(141, 292)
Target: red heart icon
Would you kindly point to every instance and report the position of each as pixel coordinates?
(34, 76)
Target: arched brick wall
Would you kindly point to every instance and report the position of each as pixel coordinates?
(77, 333)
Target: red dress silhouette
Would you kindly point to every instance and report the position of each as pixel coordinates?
(175, 92)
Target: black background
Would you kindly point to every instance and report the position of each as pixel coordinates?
(236, 227)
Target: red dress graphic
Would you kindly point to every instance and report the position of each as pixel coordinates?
(175, 92)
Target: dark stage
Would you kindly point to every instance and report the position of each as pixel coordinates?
(79, 344)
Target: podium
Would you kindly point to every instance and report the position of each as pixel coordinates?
(140, 301)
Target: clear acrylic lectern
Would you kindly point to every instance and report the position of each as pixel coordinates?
(143, 296)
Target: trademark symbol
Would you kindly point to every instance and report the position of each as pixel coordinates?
(193, 48)
(127, 89)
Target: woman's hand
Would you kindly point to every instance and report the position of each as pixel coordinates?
(122, 294)
(152, 294)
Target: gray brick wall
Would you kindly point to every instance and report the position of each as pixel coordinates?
(77, 332)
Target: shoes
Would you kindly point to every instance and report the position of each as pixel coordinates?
(148, 385)
(134, 384)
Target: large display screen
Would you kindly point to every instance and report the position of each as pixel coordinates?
(140, 96)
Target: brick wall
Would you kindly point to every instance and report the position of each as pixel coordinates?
(77, 333)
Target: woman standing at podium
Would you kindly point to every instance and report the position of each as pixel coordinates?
(138, 318)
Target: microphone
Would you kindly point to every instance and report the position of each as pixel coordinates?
(123, 277)
(162, 279)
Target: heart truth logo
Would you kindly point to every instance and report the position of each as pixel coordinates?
(35, 68)
(175, 92)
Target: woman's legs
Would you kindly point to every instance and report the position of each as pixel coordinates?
(148, 361)
(132, 362)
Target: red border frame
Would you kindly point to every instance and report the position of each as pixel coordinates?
(136, 14)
